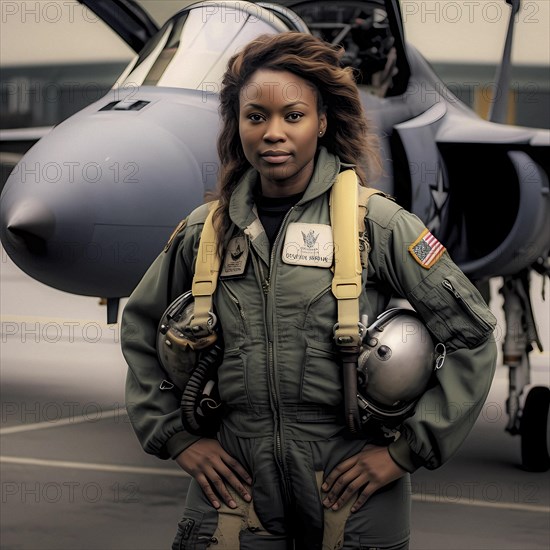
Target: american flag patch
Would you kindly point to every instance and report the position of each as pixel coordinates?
(426, 250)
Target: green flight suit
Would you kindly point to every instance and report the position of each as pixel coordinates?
(280, 378)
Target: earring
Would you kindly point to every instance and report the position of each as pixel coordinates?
(321, 133)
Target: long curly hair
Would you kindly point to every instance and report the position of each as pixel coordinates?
(313, 60)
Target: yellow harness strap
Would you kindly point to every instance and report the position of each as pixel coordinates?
(346, 283)
(205, 278)
(346, 196)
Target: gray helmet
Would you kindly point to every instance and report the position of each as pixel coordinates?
(395, 367)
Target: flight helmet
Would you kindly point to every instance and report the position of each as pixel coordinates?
(395, 366)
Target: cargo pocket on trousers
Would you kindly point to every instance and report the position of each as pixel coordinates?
(188, 532)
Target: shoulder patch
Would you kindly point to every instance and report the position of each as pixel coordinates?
(426, 250)
(177, 231)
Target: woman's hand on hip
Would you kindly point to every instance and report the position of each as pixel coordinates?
(213, 467)
(361, 475)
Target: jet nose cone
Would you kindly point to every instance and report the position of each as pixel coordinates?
(31, 224)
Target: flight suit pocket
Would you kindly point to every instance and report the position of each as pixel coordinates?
(453, 309)
(189, 527)
(232, 379)
(232, 315)
(322, 376)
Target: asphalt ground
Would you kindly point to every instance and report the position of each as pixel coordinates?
(73, 475)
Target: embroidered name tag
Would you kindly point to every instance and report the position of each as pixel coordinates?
(308, 244)
(236, 256)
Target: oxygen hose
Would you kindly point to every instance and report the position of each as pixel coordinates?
(194, 402)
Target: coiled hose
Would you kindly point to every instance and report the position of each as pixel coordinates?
(200, 403)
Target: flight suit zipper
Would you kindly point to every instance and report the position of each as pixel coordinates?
(270, 320)
(278, 439)
(266, 283)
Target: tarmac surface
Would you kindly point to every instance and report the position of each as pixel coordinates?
(73, 475)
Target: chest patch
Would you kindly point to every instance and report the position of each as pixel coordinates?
(309, 244)
(236, 256)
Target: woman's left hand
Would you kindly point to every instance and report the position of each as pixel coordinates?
(363, 473)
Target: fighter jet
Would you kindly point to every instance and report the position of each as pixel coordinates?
(88, 208)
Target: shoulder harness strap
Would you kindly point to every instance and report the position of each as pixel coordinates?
(205, 279)
(347, 196)
(346, 283)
